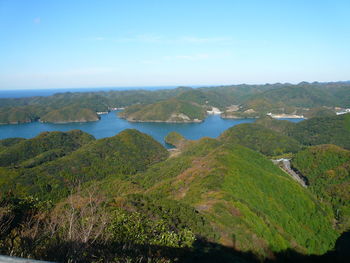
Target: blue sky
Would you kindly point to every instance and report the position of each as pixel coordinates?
(58, 43)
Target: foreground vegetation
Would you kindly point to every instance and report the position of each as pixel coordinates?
(68, 197)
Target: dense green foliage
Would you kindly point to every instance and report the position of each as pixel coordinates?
(327, 168)
(70, 114)
(5, 143)
(282, 126)
(19, 110)
(15, 115)
(251, 203)
(172, 110)
(319, 112)
(314, 131)
(128, 152)
(44, 147)
(334, 130)
(260, 139)
(308, 95)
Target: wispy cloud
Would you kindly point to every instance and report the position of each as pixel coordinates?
(37, 20)
(185, 57)
(203, 40)
(188, 57)
(99, 38)
(157, 39)
(144, 38)
(192, 57)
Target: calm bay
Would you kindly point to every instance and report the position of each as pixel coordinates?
(110, 125)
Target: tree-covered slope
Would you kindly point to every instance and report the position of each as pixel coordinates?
(333, 130)
(206, 97)
(125, 153)
(44, 147)
(307, 95)
(314, 131)
(251, 203)
(15, 115)
(122, 199)
(274, 124)
(70, 114)
(172, 110)
(327, 168)
(261, 139)
(5, 143)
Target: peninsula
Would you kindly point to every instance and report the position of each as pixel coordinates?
(184, 104)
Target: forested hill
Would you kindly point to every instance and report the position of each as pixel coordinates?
(321, 130)
(309, 99)
(171, 110)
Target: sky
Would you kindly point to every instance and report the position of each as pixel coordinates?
(102, 43)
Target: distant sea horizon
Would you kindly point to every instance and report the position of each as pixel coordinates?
(20, 93)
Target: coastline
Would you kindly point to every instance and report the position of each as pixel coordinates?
(167, 121)
(286, 116)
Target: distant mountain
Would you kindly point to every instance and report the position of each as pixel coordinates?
(70, 114)
(303, 95)
(276, 98)
(171, 110)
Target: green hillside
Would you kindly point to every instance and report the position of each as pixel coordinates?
(251, 203)
(206, 97)
(121, 198)
(70, 114)
(5, 143)
(333, 130)
(307, 95)
(44, 147)
(126, 153)
(327, 168)
(15, 115)
(261, 139)
(172, 110)
(282, 126)
(314, 131)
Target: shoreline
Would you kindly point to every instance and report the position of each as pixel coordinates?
(161, 121)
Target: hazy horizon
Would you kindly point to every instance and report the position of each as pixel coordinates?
(155, 87)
